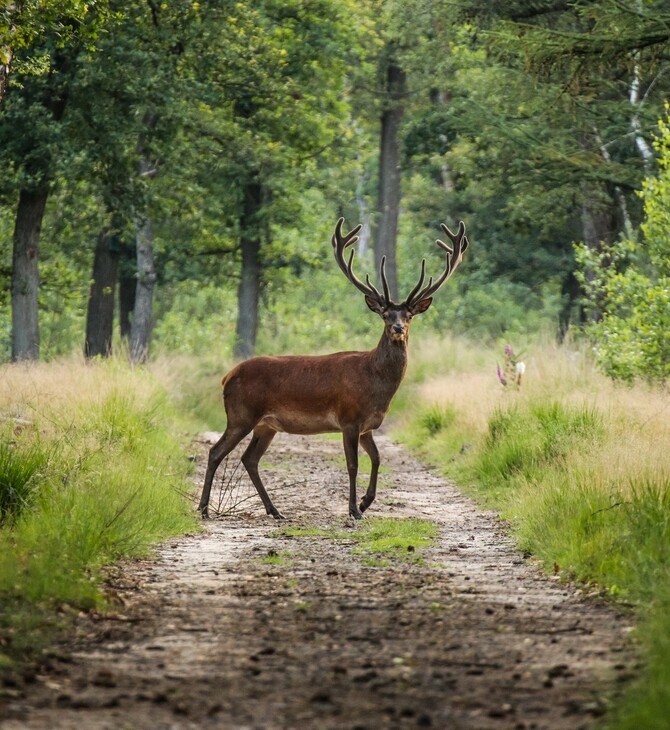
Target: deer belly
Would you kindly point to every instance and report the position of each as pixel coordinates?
(301, 423)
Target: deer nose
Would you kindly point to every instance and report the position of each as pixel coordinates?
(398, 329)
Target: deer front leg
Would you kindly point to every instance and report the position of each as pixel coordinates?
(350, 438)
(368, 443)
(217, 454)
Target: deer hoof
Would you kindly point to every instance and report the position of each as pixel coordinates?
(204, 513)
(278, 515)
(353, 512)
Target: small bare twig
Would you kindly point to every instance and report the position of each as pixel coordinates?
(607, 509)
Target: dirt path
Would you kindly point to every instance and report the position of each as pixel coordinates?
(213, 635)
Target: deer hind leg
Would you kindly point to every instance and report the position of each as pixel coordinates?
(257, 447)
(350, 438)
(217, 454)
(368, 443)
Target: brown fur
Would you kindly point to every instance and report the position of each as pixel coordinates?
(347, 392)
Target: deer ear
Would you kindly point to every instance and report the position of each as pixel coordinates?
(374, 305)
(421, 306)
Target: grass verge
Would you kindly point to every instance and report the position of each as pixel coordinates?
(580, 468)
(90, 472)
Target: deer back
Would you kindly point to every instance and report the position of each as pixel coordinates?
(309, 394)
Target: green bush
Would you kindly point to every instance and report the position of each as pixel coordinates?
(627, 287)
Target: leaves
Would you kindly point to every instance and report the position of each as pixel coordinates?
(629, 283)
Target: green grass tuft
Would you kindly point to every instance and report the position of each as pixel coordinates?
(20, 466)
(378, 539)
(402, 538)
(436, 418)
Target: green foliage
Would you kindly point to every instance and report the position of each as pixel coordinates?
(275, 558)
(616, 535)
(194, 321)
(627, 285)
(20, 467)
(512, 155)
(646, 704)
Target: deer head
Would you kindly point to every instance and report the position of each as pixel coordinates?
(397, 317)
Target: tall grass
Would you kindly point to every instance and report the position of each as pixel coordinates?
(90, 472)
(19, 469)
(580, 468)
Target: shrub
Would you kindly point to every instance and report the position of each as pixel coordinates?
(627, 287)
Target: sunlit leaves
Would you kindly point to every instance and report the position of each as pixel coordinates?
(629, 283)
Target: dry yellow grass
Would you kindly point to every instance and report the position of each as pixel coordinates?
(636, 446)
(47, 393)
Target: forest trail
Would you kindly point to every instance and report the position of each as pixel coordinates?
(241, 626)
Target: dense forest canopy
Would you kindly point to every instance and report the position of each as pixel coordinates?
(172, 172)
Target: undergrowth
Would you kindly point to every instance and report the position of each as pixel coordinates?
(90, 472)
(580, 469)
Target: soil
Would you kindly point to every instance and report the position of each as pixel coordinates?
(244, 626)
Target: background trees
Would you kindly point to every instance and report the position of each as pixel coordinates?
(190, 161)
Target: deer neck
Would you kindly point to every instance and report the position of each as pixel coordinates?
(390, 360)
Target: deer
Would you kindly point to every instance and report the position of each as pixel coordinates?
(345, 392)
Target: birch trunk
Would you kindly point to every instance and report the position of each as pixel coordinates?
(142, 324)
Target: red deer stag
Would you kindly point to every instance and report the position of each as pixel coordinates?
(347, 392)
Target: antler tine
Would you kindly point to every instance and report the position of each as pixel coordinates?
(373, 287)
(454, 257)
(454, 236)
(385, 283)
(340, 243)
(368, 290)
(411, 295)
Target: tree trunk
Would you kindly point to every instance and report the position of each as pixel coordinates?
(28, 224)
(388, 197)
(599, 226)
(248, 293)
(127, 288)
(140, 331)
(598, 220)
(100, 313)
(571, 295)
(25, 274)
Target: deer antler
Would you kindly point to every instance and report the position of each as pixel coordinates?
(340, 244)
(454, 258)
